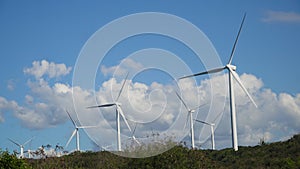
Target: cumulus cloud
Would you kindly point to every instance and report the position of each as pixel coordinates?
(42, 68)
(121, 69)
(281, 16)
(274, 119)
(9, 106)
(155, 107)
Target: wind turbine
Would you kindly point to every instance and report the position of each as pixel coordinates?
(76, 132)
(21, 146)
(231, 73)
(212, 132)
(212, 125)
(190, 114)
(119, 112)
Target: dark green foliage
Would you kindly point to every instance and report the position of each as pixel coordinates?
(10, 161)
(274, 155)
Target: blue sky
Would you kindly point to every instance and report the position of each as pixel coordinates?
(56, 31)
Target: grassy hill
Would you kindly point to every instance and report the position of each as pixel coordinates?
(274, 155)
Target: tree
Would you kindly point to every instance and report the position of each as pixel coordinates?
(10, 161)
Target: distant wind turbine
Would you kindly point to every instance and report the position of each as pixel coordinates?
(21, 146)
(212, 125)
(231, 73)
(76, 132)
(119, 112)
(212, 132)
(190, 117)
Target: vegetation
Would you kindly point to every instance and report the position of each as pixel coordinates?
(10, 161)
(274, 155)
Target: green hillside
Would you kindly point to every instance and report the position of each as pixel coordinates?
(274, 155)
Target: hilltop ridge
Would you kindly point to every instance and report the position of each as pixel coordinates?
(266, 155)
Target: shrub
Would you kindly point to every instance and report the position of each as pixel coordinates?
(10, 161)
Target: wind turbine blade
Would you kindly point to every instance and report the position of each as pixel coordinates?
(236, 40)
(203, 122)
(187, 120)
(136, 140)
(198, 107)
(86, 127)
(134, 129)
(120, 92)
(14, 142)
(182, 101)
(73, 134)
(123, 116)
(71, 118)
(133, 137)
(103, 105)
(219, 115)
(27, 141)
(237, 78)
(203, 73)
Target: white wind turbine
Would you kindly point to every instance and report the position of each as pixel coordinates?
(21, 146)
(76, 132)
(119, 112)
(212, 132)
(212, 125)
(231, 73)
(190, 117)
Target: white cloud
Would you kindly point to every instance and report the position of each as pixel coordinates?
(121, 69)
(42, 68)
(29, 99)
(6, 105)
(280, 16)
(277, 114)
(156, 107)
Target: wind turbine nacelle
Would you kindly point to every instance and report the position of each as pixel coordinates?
(231, 67)
(192, 111)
